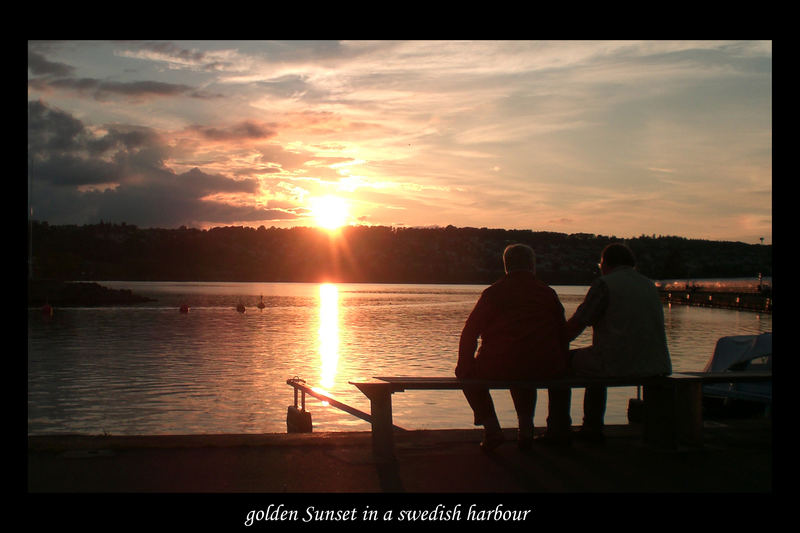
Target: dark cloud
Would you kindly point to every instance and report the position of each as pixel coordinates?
(177, 199)
(49, 75)
(39, 65)
(197, 183)
(59, 141)
(243, 130)
(79, 177)
(52, 130)
(127, 138)
(103, 90)
(70, 171)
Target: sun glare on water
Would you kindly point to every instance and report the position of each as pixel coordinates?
(328, 333)
(329, 212)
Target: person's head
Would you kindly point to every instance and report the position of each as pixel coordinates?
(519, 257)
(615, 255)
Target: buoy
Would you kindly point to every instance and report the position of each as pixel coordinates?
(261, 304)
(47, 309)
(184, 308)
(240, 308)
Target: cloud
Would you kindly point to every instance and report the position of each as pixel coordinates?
(52, 129)
(169, 52)
(79, 176)
(104, 90)
(286, 159)
(58, 76)
(39, 65)
(494, 133)
(247, 129)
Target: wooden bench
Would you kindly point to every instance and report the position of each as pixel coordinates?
(673, 412)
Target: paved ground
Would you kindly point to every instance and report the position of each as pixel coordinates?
(736, 458)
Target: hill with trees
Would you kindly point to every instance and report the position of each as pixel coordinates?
(374, 254)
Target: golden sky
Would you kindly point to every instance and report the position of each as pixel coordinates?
(608, 137)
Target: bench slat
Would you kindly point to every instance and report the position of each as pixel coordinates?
(722, 377)
(449, 383)
(413, 382)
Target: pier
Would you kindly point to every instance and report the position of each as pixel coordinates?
(748, 294)
(741, 301)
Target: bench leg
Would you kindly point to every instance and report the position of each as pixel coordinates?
(673, 414)
(382, 430)
(380, 399)
(659, 416)
(689, 412)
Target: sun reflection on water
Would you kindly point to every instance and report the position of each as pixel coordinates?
(328, 333)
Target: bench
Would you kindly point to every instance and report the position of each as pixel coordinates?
(673, 412)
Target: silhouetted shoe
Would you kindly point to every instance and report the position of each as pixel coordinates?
(562, 440)
(491, 441)
(590, 436)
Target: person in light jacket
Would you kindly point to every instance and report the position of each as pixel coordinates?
(628, 339)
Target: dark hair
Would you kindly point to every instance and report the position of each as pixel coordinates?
(519, 257)
(617, 254)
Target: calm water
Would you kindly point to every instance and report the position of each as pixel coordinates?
(149, 369)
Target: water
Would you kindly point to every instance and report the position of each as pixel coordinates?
(148, 369)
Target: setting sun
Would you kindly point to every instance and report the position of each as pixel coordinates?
(329, 212)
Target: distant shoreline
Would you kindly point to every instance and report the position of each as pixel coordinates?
(93, 294)
(363, 254)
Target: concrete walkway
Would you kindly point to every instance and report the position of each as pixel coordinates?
(736, 457)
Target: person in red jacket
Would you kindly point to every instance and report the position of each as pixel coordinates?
(521, 325)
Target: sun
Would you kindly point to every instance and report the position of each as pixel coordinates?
(329, 212)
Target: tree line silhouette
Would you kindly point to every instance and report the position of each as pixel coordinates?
(375, 254)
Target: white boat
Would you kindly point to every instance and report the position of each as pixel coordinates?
(740, 352)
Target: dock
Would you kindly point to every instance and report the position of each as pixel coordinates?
(760, 302)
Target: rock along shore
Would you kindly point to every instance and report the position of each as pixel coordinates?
(78, 294)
